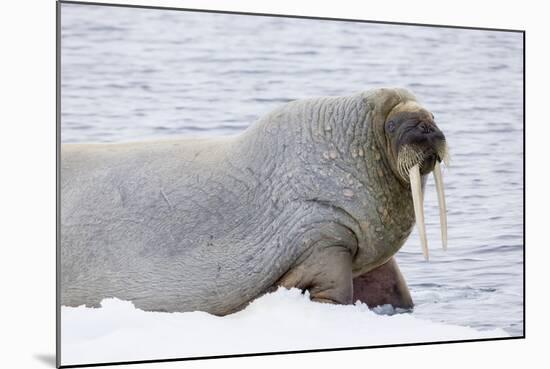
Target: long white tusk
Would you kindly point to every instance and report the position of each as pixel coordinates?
(442, 206)
(418, 202)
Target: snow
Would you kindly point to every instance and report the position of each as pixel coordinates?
(285, 320)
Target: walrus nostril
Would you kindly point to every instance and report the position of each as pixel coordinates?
(426, 128)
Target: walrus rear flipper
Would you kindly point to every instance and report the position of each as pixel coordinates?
(383, 285)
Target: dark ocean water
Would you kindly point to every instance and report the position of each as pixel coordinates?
(130, 74)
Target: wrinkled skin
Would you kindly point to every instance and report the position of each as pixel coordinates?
(307, 197)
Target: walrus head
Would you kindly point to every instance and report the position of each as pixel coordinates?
(415, 146)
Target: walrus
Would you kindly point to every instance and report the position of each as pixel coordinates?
(318, 195)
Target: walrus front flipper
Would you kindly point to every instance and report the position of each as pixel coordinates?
(326, 274)
(383, 285)
(325, 269)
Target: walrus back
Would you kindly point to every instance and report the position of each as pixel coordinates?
(154, 223)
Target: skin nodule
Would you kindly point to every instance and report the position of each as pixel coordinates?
(311, 196)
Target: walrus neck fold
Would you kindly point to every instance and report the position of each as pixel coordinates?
(382, 104)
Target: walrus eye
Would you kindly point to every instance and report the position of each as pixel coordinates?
(391, 126)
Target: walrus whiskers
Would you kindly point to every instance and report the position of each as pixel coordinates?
(443, 153)
(406, 159)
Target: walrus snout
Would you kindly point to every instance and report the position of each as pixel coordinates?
(424, 135)
(419, 141)
(428, 135)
